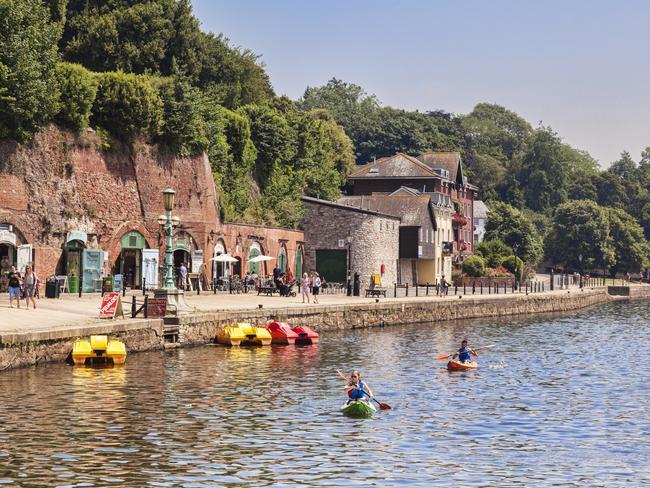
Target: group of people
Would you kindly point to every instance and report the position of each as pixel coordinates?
(312, 284)
(283, 281)
(22, 287)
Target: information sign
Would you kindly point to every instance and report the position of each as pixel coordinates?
(156, 307)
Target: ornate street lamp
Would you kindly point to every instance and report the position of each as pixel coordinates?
(349, 290)
(168, 226)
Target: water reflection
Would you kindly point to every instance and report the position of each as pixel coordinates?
(552, 404)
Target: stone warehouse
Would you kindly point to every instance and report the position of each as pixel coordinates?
(75, 210)
(341, 240)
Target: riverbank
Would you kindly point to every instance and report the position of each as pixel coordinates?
(50, 331)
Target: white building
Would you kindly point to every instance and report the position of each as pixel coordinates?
(480, 219)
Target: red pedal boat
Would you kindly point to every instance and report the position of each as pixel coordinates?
(458, 366)
(281, 334)
(306, 335)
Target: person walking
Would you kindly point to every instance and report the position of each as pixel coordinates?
(14, 286)
(316, 282)
(29, 284)
(304, 287)
(183, 275)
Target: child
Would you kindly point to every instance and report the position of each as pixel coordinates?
(357, 389)
(304, 287)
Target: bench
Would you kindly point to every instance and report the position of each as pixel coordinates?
(268, 290)
(376, 292)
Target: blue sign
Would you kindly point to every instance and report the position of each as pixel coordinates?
(117, 283)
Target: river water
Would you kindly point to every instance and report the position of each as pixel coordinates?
(556, 403)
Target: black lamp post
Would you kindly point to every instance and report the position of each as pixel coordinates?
(580, 261)
(349, 241)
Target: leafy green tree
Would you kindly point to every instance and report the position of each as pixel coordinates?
(282, 197)
(513, 228)
(515, 266)
(474, 266)
(631, 250)
(28, 56)
(127, 106)
(494, 251)
(77, 88)
(580, 229)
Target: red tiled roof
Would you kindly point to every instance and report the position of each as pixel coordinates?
(445, 160)
(398, 165)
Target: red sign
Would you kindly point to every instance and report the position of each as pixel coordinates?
(156, 307)
(111, 306)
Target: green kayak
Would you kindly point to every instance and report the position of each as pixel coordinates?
(358, 408)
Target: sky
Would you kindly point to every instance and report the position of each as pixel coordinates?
(579, 66)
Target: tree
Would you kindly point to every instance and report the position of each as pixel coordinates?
(28, 56)
(579, 237)
(127, 106)
(494, 251)
(631, 250)
(77, 88)
(517, 231)
(474, 266)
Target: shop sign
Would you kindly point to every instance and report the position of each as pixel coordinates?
(419, 251)
(111, 306)
(7, 237)
(341, 243)
(197, 260)
(156, 308)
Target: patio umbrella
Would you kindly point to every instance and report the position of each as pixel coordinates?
(224, 258)
(260, 258)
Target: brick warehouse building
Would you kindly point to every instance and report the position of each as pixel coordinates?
(73, 209)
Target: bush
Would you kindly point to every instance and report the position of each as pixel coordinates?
(474, 266)
(514, 265)
(127, 106)
(77, 90)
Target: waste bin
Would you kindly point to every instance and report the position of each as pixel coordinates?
(357, 284)
(73, 284)
(107, 284)
(51, 287)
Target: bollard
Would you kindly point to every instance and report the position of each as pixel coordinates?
(123, 289)
(464, 290)
(481, 287)
(81, 283)
(427, 288)
(417, 288)
(407, 289)
(526, 288)
(146, 306)
(144, 286)
(489, 288)
(214, 286)
(395, 290)
(437, 288)
(473, 287)
(133, 307)
(455, 289)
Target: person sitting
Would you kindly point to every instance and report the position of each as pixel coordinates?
(282, 284)
(358, 389)
(464, 354)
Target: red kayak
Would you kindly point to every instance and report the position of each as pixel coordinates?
(306, 335)
(281, 334)
(458, 366)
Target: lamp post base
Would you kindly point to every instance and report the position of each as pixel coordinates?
(175, 298)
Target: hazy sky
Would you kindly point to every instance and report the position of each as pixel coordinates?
(582, 67)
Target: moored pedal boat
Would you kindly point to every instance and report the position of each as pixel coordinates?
(281, 334)
(306, 335)
(255, 336)
(458, 366)
(231, 336)
(98, 349)
(358, 408)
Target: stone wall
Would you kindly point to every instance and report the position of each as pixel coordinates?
(375, 238)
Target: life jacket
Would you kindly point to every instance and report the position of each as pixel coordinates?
(464, 355)
(359, 392)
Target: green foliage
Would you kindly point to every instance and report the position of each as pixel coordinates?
(77, 88)
(515, 266)
(127, 106)
(516, 230)
(474, 266)
(28, 55)
(580, 229)
(631, 250)
(494, 251)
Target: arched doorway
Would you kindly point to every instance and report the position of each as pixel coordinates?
(219, 269)
(282, 258)
(74, 248)
(299, 261)
(254, 250)
(129, 262)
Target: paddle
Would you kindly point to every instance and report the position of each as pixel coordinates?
(382, 406)
(447, 356)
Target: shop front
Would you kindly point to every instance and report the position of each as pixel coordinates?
(12, 253)
(129, 262)
(75, 244)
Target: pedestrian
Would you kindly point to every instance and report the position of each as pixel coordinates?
(14, 286)
(183, 275)
(444, 286)
(29, 286)
(315, 284)
(304, 287)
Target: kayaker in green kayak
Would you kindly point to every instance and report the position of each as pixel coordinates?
(358, 389)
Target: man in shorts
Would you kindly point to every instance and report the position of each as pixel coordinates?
(14, 287)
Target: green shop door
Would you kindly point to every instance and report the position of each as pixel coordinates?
(331, 264)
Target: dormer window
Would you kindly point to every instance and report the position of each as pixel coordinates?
(373, 170)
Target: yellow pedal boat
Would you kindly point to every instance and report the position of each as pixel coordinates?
(99, 349)
(244, 334)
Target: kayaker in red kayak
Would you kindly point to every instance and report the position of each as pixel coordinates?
(464, 354)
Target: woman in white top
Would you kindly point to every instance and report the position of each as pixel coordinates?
(315, 283)
(304, 287)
